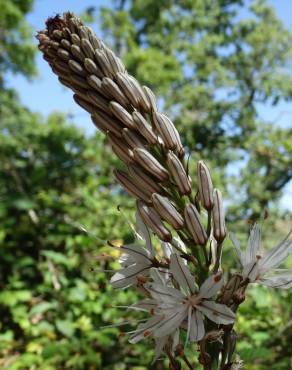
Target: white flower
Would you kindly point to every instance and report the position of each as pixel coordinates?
(262, 268)
(190, 304)
(136, 260)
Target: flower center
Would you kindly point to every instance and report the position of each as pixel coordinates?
(193, 300)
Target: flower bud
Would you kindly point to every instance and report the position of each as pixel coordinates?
(133, 139)
(167, 131)
(113, 90)
(167, 211)
(103, 63)
(152, 219)
(194, 224)
(97, 100)
(130, 186)
(205, 186)
(122, 114)
(179, 174)
(128, 89)
(107, 123)
(146, 182)
(121, 149)
(144, 128)
(150, 164)
(151, 98)
(219, 229)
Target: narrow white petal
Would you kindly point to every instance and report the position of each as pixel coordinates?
(254, 244)
(171, 322)
(138, 253)
(280, 280)
(167, 249)
(197, 326)
(211, 286)
(277, 255)
(159, 345)
(145, 329)
(159, 277)
(175, 339)
(219, 313)
(236, 244)
(182, 274)
(251, 271)
(144, 234)
(163, 293)
(189, 324)
(145, 305)
(125, 277)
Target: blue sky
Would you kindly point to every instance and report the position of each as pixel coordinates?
(32, 93)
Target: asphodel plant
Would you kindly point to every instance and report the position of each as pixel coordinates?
(188, 297)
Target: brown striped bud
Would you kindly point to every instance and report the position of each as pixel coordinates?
(145, 180)
(114, 91)
(92, 68)
(107, 123)
(66, 44)
(97, 100)
(219, 228)
(95, 83)
(87, 48)
(103, 63)
(63, 54)
(141, 96)
(76, 67)
(144, 128)
(151, 98)
(122, 114)
(205, 186)
(130, 186)
(179, 174)
(194, 224)
(152, 219)
(150, 164)
(167, 131)
(121, 149)
(75, 39)
(167, 211)
(133, 139)
(126, 86)
(115, 62)
(83, 103)
(77, 52)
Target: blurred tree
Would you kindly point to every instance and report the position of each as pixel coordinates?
(214, 63)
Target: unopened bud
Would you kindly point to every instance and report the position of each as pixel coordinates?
(146, 182)
(107, 123)
(150, 164)
(126, 86)
(194, 225)
(113, 90)
(144, 128)
(179, 174)
(167, 131)
(152, 219)
(205, 186)
(151, 98)
(219, 229)
(122, 114)
(230, 288)
(167, 211)
(130, 186)
(121, 149)
(134, 140)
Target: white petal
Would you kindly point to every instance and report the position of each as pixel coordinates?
(254, 244)
(167, 249)
(145, 305)
(126, 260)
(182, 274)
(159, 345)
(251, 271)
(175, 339)
(219, 313)
(189, 324)
(138, 253)
(171, 322)
(163, 293)
(280, 280)
(277, 255)
(125, 277)
(211, 286)
(159, 277)
(143, 232)
(145, 329)
(197, 326)
(236, 244)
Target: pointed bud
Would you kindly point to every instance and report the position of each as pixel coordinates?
(122, 114)
(97, 100)
(150, 164)
(121, 149)
(145, 180)
(92, 68)
(126, 86)
(107, 123)
(87, 48)
(167, 211)
(130, 186)
(179, 174)
(77, 52)
(140, 93)
(114, 91)
(152, 219)
(103, 63)
(205, 186)
(194, 225)
(144, 128)
(83, 103)
(167, 131)
(151, 98)
(219, 229)
(133, 139)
